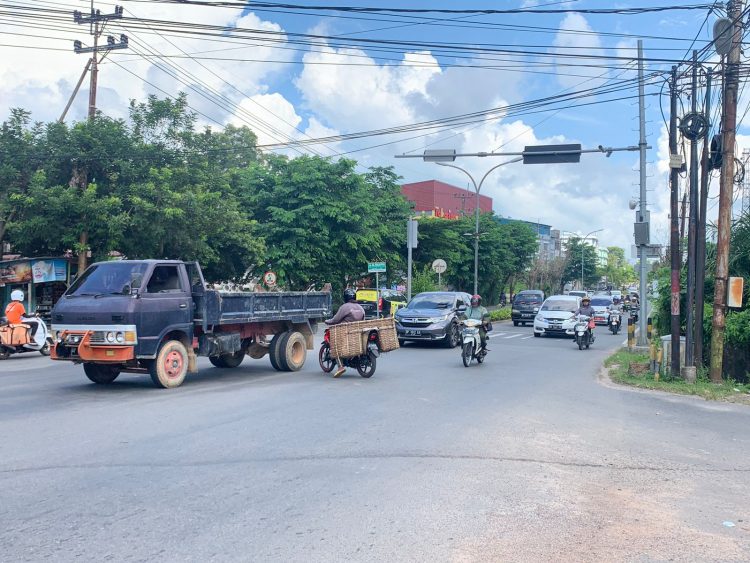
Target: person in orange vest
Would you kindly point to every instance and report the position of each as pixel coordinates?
(15, 311)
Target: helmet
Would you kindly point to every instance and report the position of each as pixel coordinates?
(349, 295)
(476, 300)
(616, 300)
(17, 295)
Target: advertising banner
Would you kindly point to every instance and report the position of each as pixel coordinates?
(49, 270)
(20, 272)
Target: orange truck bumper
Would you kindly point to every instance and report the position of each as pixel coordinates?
(115, 354)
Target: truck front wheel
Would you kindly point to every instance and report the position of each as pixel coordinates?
(101, 374)
(170, 366)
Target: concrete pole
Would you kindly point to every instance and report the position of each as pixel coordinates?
(724, 226)
(476, 242)
(674, 241)
(692, 230)
(642, 144)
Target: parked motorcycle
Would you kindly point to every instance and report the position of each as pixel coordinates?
(614, 322)
(472, 342)
(584, 331)
(364, 364)
(40, 339)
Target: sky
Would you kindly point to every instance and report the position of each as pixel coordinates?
(308, 74)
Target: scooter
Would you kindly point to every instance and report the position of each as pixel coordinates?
(472, 342)
(584, 331)
(364, 364)
(41, 341)
(614, 322)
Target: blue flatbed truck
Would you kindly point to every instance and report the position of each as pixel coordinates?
(157, 316)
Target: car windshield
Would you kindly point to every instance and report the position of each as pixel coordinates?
(113, 278)
(528, 298)
(432, 301)
(569, 305)
(601, 302)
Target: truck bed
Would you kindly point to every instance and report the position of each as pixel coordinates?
(243, 307)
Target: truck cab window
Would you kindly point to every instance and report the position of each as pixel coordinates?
(165, 279)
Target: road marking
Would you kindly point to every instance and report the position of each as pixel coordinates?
(527, 337)
(513, 336)
(497, 333)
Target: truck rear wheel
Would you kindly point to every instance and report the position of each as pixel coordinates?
(101, 374)
(227, 360)
(273, 350)
(292, 351)
(170, 366)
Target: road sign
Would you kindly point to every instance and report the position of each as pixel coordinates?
(439, 266)
(552, 154)
(376, 267)
(269, 278)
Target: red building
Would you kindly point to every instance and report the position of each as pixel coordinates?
(444, 200)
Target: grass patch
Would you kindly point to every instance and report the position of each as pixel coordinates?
(626, 368)
(502, 314)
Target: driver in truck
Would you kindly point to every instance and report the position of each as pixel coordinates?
(348, 312)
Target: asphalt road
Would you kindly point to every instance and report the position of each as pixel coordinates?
(528, 457)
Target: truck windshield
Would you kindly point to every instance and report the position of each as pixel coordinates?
(112, 278)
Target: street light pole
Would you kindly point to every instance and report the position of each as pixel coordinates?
(477, 188)
(582, 248)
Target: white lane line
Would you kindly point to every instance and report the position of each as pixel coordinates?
(527, 337)
(497, 333)
(513, 336)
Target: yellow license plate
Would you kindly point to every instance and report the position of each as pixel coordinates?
(109, 353)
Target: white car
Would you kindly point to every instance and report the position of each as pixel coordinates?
(556, 316)
(601, 305)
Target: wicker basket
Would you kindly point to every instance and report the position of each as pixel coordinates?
(349, 339)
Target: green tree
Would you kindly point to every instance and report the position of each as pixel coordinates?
(575, 253)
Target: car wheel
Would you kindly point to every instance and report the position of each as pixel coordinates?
(537, 334)
(401, 342)
(515, 323)
(452, 338)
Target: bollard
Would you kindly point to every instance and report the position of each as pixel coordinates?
(652, 356)
(631, 333)
(659, 356)
(649, 329)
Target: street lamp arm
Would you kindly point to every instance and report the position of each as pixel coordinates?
(476, 189)
(519, 159)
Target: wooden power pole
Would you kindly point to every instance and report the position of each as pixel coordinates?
(724, 226)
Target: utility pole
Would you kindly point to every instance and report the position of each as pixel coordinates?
(692, 226)
(700, 237)
(724, 226)
(643, 213)
(96, 21)
(674, 244)
(463, 198)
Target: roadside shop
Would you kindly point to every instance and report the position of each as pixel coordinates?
(42, 280)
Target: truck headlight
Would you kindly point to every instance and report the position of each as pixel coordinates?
(110, 337)
(120, 337)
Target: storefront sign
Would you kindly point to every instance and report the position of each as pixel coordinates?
(49, 270)
(20, 272)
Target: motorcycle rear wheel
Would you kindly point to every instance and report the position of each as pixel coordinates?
(366, 365)
(466, 353)
(579, 340)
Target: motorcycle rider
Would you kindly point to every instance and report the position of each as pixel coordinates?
(15, 311)
(588, 311)
(476, 311)
(349, 312)
(615, 307)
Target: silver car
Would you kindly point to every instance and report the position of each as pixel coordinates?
(556, 316)
(601, 305)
